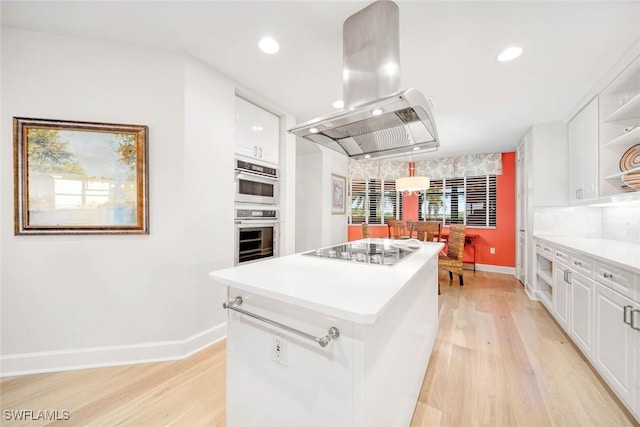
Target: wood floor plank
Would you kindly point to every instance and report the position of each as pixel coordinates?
(499, 360)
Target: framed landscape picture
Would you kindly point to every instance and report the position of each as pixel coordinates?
(80, 177)
(338, 194)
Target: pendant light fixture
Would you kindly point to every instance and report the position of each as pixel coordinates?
(412, 184)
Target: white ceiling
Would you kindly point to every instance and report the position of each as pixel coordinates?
(447, 50)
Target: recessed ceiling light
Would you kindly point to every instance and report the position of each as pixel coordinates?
(338, 104)
(269, 45)
(416, 148)
(367, 156)
(376, 111)
(313, 130)
(510, 53)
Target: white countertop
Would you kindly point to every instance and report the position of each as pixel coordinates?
(346, 290)
(623, 254)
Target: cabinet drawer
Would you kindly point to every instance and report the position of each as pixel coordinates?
(582, 265)
(616, 278)
(545, 250)
(562, 256)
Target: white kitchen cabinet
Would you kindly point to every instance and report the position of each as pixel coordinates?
(636, 407)
(561, 294)
(596, 300)
(268, 138)
(581, 312)
(544, 274)
(542, 181)
(616, 354)
(573, 296)
(583, 154)
(619, 127)
(257, 133)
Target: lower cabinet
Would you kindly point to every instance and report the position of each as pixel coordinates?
(581, 318)
(637, 405)
(573, 305)
(598, 306)
(561, 294)
(617, 352)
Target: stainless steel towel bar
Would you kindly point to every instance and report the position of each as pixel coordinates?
(332, 334)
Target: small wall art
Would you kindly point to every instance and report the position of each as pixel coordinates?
(338, 194)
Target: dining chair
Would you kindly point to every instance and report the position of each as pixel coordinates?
(427, 231)
(398, 229)
(453, 260)
(365, 230)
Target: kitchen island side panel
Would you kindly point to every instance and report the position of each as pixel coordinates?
(396, 352)
(310, 386)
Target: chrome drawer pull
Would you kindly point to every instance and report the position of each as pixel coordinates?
(332, 334)
(577, 263)
(627, 308)
(633, 323)
(608, 276)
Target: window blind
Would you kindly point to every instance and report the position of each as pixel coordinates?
(392, 201)
(470, 201)
(431, 206)
(374, 201)
(358, 197)
(454, 201)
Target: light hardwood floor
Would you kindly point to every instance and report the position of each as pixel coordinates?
(500, 360)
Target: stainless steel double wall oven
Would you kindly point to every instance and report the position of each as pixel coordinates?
(256, 211)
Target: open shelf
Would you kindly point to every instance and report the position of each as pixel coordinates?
(546, 276)
(626, 139)
(627, 112)
(614, 141)
(619, 175)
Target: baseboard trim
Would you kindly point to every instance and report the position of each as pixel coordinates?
(496, 269)
(531, 293)
(99, 357)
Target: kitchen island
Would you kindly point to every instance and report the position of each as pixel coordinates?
(332, 337)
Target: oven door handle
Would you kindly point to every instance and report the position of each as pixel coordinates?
(257, 223)
(256, 177)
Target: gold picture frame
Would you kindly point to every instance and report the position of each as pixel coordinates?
(80, 177)
(338, 194)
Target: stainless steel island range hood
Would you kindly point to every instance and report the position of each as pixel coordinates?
(378, 120)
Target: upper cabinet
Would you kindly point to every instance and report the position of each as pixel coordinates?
(583, 154)
(257, 133)
(546, 145)
(620, 133)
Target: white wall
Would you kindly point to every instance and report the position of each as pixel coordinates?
(334, 226)
(315, 225)
(309, 226)
(209, 190)
(289, 190)
(72, 301)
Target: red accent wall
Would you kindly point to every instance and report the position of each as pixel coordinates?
(410, 207)
(502, 238)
